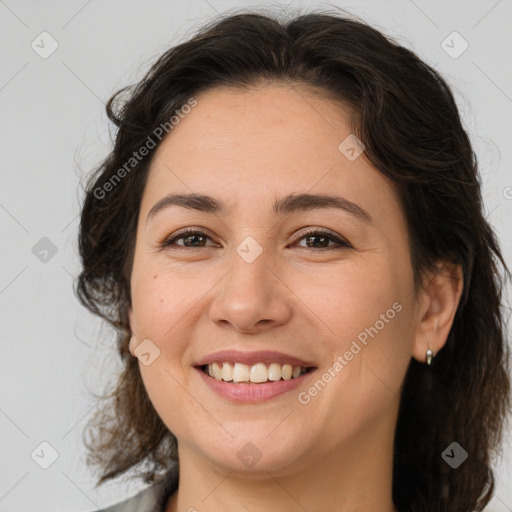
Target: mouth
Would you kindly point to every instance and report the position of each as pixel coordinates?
(258, 373)
(258, 367)
(253, 377)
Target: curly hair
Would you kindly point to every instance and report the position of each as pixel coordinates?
(405, 114)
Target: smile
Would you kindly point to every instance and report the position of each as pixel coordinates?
(252, 377)
(239, 373)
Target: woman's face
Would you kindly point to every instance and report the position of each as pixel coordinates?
(253, 281)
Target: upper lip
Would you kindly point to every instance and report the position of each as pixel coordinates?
(251, 358)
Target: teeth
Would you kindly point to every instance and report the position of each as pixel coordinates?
(287, 371)
(227, 372)
(274, 371)
(241, 373)
(217, 371)
(257, 373)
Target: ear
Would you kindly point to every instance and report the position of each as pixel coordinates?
(437, 304)
(133, 340)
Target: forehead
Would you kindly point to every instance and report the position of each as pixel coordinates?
(277, 119)
(247, 145)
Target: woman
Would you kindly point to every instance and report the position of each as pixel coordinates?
(289, 238)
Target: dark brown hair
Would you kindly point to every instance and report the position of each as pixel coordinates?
(405, 114)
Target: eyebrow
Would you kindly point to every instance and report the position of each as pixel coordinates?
(288, 204)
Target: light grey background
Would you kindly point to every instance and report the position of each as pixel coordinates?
(53, 130)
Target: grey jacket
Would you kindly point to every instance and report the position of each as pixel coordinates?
(151, 499)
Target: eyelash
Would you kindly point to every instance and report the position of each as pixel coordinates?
(315, 232)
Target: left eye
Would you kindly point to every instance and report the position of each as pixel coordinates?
(323, 235)
(190, 236)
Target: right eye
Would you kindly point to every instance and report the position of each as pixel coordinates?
(190, 236)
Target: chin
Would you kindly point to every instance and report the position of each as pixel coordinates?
(253, 454)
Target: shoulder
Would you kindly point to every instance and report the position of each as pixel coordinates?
(152, 499)
(144, 501)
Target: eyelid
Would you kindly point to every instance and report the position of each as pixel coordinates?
(341, 241)
(168, 240)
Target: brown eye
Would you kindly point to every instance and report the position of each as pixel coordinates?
(320, 240)
(197, 239)
(190, 237)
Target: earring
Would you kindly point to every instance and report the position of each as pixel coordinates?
(430, 356)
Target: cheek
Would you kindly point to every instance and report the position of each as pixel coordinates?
(159, 290)
(362, 317)
(365, 312)
(167, 304)
(352, 298)
(158, 302)
(160, 306)
(149, 296)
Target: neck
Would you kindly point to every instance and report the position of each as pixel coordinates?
(354, 477)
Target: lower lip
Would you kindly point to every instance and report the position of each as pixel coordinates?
(253, 393)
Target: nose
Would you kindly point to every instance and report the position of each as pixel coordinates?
(252, 297)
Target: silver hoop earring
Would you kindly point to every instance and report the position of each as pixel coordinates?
(430, 356)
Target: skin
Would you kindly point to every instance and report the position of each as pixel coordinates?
(248, 148)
